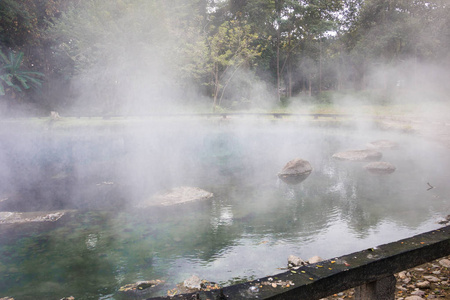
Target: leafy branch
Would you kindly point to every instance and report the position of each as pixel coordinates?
(14, 77)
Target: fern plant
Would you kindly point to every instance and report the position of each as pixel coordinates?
(13, 76)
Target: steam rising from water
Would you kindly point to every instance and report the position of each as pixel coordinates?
(106, 173)
(115, 166)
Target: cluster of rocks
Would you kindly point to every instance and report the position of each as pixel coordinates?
(428, 281)
(194, 283)
(190, 285)
(297, 170)
(372, 154)
(295, 262)
(178, 195)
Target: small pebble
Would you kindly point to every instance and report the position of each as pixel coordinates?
(413, 298)
(431, 278)
(445, 263)
(419, 269)
(423, 284)
(418, 293)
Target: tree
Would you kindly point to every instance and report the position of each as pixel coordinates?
(230, 48)
(122, 52)
(389, 32)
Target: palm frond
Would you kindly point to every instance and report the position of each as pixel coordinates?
(7, 79)
(31, 73)
(17, 61)
(35, 81)
(4, 57)
(23, 81)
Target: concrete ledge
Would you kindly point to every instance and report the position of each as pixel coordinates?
(328, 277)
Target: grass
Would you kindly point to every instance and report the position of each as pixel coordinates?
(363, 104)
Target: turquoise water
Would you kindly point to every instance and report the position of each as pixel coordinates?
(247, 230)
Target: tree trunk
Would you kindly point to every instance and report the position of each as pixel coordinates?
(310, 85)
(216, 86)
(289, 91)
(278, 65)
(320, 65)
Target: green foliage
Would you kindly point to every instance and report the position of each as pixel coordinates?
(121, 53)
(22, 22)
(13, 76)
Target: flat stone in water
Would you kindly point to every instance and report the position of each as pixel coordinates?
(178, 195)
(358, 155)
(140, 286)
(382, 144)
(380, 167)
(28, 217)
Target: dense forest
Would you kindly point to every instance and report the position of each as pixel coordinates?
(131, 57)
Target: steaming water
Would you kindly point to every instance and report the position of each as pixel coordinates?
(247, 230)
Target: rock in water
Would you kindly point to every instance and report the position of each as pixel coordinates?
(358, 155)
(295, 171)
(193, 283)
(315, 259)
(294, 261)
(380, 167)
(28, 217)
(140, 287)
(382, 144)
(178, 195)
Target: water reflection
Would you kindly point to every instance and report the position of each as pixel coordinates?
(250, 227)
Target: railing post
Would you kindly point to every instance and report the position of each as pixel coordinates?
(381, 289)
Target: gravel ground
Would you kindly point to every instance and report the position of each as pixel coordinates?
(427, 281)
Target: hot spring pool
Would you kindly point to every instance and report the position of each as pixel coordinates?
(247, 230)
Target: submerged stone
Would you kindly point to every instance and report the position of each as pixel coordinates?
(358, 155)
(380, 167)
(295, 171)
(382, 144)
(193, 283)
(178, 195)
(7, 217)
(140, 286)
